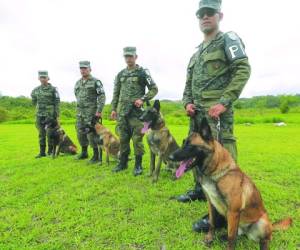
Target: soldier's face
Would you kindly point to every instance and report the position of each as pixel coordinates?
(85, 72)
(44, 80)
(209, 20)
(130, 60)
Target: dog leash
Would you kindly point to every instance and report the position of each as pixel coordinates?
(219, 132)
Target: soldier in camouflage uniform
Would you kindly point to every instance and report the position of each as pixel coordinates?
(128, 98)
(216, 76)
(46, 99)
(90, 98)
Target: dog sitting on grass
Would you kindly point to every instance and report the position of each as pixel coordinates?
(60, 141)
(107, 140)
(228, 190)
(160, 140)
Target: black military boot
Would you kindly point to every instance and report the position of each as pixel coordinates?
(84, 153)
(202, 225)
(50, 149)
(123, 163)
(192, 195)
(42, 152)
(95, 158)
(138, 168)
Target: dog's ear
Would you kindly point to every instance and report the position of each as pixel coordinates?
(156, 105)
(205, 130)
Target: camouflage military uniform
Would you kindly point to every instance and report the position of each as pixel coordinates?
(90, 97)
(130, 85)
(46, 99)
(217, 74)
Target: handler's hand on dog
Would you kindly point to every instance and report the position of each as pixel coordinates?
(216, 111)
(113, 115)
(138, 103)
(98, 114)
(190, 109)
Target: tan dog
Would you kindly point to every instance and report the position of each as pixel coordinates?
(109, 142)
(231, 192)
(160, 140)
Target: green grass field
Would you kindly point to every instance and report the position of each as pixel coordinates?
(66, 204)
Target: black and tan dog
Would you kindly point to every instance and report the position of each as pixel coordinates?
(228, 189)
(60, 141)
(160, 140)
(107, 140)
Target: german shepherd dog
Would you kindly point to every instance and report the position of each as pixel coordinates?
(160, 140)
(107, 140)
(228, 189)
(60, 141)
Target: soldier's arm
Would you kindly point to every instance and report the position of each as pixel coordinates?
(151, 85)
(187, 93)
(116, 94)
(239, 67)
(56, 102)
(33, 97)
(100, 96)
(240, 75)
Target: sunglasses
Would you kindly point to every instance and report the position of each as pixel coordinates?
(206, 12)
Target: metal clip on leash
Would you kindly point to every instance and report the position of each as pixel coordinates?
(219, 130)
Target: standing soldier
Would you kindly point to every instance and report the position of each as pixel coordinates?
(128, 99)
(90, 97)
(46, 99)
(216, 76)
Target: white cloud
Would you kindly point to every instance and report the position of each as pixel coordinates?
(56, 34)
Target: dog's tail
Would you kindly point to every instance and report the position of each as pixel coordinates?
(282, 224)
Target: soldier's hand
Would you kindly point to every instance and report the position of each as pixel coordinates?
(138, 103)
(216, 110)
(98, 114)
(190, 109)
(113, 115)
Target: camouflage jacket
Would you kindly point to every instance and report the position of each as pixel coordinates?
(129, 86)
(90, 96)
(217, 73)
(46, 99)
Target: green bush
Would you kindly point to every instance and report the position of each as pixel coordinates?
(284, 107)
(3, 114)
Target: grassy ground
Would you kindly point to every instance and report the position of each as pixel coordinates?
(64, 204)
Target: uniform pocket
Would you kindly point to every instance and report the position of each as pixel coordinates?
(215, 62)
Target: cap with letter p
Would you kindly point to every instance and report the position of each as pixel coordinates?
(129, 51)
(84, 64)
(211, 4)
(43, 73)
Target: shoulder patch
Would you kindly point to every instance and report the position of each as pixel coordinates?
(147, 72)
(234, 47)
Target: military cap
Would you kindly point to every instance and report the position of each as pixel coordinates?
(84, 64)
(43, 73)
(212, 4)
(129, 51)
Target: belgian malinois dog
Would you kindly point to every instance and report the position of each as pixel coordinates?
(60, 141)
(107, 140)
(228, 189)
(160, 140)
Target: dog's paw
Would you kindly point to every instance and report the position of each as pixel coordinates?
(154, 179)
(208, 239)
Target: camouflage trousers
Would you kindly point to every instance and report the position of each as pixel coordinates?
(129, 127)
(83, 138)
(43, 133)
(225, 135)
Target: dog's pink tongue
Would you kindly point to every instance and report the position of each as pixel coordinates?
(183, 166)
(146, 127)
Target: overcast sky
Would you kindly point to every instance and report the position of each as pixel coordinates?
(55, 34)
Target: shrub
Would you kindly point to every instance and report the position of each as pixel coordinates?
(284, 107)
(3, 115)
